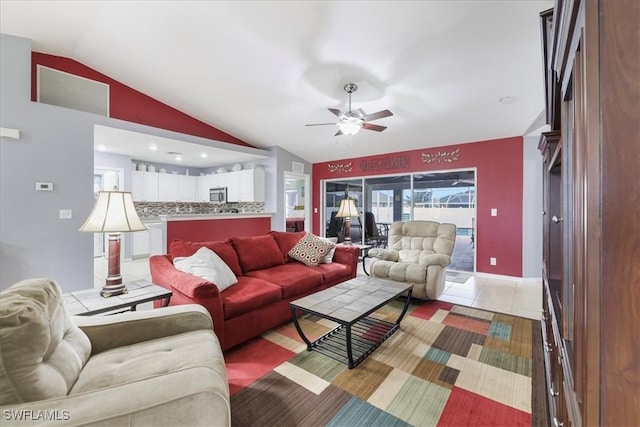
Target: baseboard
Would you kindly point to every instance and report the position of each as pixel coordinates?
(513, 278)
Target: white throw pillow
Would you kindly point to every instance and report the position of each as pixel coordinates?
(207, 264)
(328, 258)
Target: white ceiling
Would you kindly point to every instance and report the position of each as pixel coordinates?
(261, 70)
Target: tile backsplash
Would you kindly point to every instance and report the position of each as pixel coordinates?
(154, 209)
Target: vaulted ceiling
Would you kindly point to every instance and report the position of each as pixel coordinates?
(450, 71)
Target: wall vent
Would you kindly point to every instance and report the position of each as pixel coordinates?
(69, 91)
(297, 167)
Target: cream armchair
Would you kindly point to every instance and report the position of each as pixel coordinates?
(418, 252)
(161, 367)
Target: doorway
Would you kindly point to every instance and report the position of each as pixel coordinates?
(297, 202)
(105, 179)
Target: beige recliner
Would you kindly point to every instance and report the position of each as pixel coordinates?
(418, 252)
(161, 367)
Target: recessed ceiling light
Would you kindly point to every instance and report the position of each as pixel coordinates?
(101, 147)
(506, 100)
(153, 147)
(179, 158)
(204, 155)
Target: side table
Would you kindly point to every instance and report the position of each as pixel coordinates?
(364, 251)
(88, 302)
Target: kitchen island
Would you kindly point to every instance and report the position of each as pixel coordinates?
(212, 227)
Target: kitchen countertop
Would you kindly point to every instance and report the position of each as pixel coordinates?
(225, 215)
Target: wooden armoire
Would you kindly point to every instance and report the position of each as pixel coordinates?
(591, 214)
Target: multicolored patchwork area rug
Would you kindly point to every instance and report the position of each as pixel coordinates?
(448, 365)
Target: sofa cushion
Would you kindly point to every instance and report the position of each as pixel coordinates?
(41, 349)
(247, 295)
(294, 278)
(206, 264)
(328, 258)
(257, 252)
(333, 271)
(224, 249)
(286, 241)
(311, 250)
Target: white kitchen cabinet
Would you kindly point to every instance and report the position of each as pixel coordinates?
(246, 185)
(186, 188)
(155, 239)
(167, 187)
(144, 186)
(140, 243)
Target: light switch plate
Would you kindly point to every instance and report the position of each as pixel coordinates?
(494, 212)
(65, 213)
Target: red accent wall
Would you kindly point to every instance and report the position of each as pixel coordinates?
(130, 105)
(498, 185)
(216, 229)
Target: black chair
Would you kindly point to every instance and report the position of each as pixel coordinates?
(373, 235)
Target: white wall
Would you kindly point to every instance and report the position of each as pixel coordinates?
(532, 209)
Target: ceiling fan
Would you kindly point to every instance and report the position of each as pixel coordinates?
(351, 122)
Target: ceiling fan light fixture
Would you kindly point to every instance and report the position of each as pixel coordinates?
(350, 128)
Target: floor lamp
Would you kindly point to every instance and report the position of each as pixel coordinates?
(113, 214)
(347, 211)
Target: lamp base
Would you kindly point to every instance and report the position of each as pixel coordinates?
(110, 290)
(347, 241)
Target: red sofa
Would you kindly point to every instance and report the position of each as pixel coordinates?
(268, 279)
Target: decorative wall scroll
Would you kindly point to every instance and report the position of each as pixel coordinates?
(441, 156)
(398, 162)
(340, 167)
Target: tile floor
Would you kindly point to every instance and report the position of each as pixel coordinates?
(504, 296)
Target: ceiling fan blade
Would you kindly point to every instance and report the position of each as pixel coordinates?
(339, 133)
(320, 124)
(337, 112)
(378, 115)
(371, 126)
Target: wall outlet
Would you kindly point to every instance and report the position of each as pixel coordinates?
(65, 213)
(494, 212)
(177, 209)
(492, 261)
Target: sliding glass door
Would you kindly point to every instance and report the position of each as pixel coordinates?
(383, 200)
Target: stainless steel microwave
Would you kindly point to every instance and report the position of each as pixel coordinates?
(218, 195)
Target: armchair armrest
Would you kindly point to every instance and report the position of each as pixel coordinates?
(435, 259)
(384, 254)
(161, 400)
(123, 329)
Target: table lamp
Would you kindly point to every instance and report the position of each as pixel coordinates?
(113, 213)
(347, 210)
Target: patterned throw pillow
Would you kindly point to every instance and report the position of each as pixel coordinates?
(311, 250)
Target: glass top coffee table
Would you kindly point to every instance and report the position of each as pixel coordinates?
(349, 304)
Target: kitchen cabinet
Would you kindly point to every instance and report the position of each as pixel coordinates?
(242, 186)
(140, 244)
(167, 187)
(246, 185)
(186, 188)
(155, 239)
(144, 186)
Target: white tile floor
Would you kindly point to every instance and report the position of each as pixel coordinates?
(504, 296)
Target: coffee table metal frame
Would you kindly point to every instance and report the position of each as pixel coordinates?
(359, 336)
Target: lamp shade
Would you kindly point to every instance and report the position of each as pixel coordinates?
(347, 209)
(113, 212)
